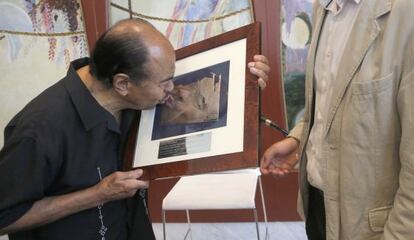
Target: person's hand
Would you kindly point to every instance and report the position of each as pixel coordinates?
(280, 158)
(120, 185)
(260, 68)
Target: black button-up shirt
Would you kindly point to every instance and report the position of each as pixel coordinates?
(63, 141)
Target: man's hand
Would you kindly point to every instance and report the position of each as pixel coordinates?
(120, 185)
(280, 158)
(260, 68)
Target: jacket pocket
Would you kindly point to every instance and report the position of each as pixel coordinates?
(372, 86)
(371, 97)
(377, 218)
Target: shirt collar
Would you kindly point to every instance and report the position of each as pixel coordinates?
(89, 110)
(335, 6)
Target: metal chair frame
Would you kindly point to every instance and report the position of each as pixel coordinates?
(189, 231)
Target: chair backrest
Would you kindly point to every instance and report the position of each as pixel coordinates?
(224, 190)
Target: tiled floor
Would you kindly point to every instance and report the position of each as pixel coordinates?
(233, 231)
(230, 231)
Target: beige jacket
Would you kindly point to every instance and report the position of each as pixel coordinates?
(368, 148)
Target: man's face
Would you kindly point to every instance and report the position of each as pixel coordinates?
(182, 93)
(157, 87)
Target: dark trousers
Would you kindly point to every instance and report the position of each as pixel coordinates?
(315, 221)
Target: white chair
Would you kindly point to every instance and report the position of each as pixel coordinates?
(226, 190)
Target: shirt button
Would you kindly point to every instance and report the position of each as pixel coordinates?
(323, 85)
(328, 54)
(319, 116)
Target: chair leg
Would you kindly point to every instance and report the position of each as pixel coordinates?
(257, 223)
(264, 207)
(163, 224)
(189, 231)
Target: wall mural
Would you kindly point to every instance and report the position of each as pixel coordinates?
(38, 39)
(186, 21)
(296, 34)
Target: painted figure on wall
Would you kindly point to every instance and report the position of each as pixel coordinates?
(38, 39)
(185, 33)
(296, 35)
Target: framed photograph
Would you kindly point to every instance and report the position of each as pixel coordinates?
(213, 124)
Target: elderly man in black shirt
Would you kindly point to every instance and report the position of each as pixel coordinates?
(60, 164)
